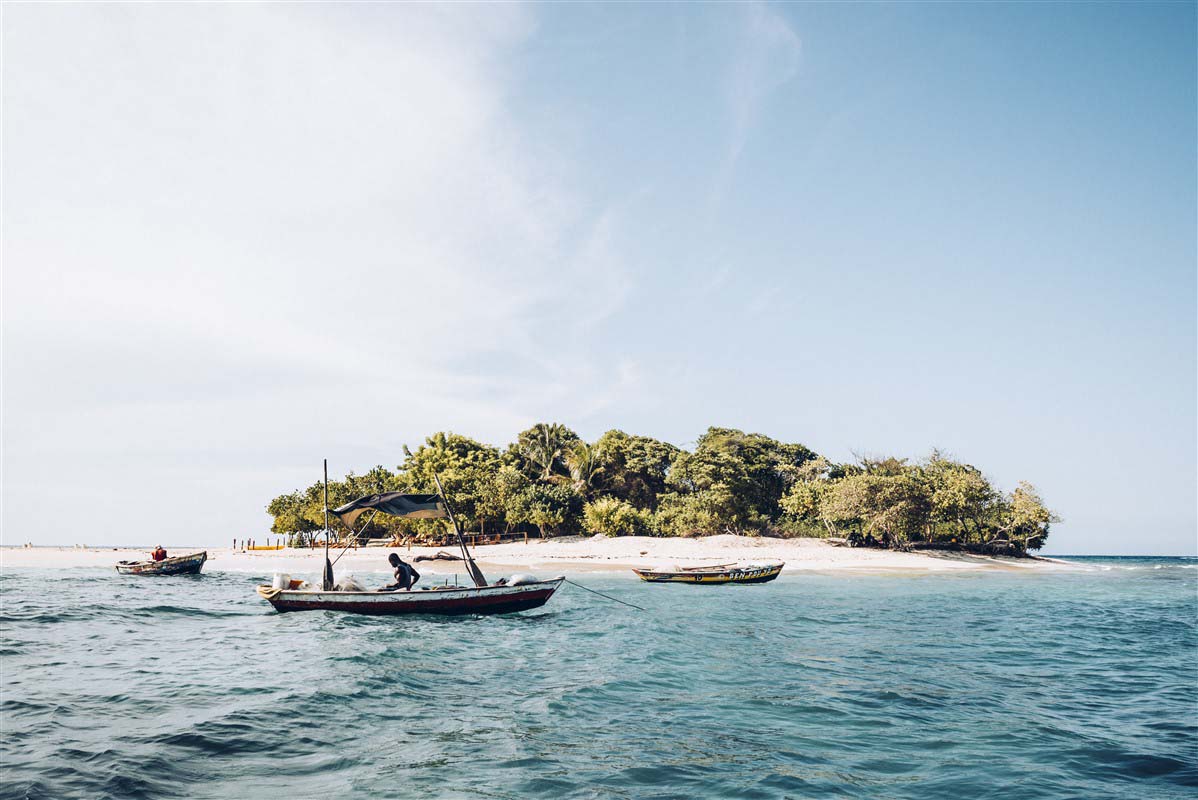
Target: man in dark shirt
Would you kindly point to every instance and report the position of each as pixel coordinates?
(405, 574)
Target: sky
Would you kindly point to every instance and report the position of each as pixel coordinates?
(238, 239)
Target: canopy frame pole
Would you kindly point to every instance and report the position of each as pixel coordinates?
(472, 568)
(327, 579)
(354, 536)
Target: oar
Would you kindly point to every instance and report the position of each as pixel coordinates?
(471, 568)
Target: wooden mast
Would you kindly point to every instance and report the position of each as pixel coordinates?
(472, 568)
(327, 581)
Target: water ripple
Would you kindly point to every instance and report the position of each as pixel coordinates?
(1080, 684)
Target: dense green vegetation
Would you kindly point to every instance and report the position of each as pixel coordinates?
(551, 482)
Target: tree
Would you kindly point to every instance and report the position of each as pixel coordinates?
(1025, 519)
(741, 479)
(464, 467)
(708, 511)
(542, 449)
(499, 495)
(287, 512)
(961, 497)
(584, 462)
(804, 504)
(634, 467)
(548, 506)
(883, 501)
(442, 453)
(901, 507)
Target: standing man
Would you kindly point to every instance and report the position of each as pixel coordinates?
(405, 575)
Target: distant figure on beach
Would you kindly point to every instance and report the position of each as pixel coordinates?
(159, 554)
(405, 575)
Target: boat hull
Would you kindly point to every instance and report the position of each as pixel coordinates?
(485, 600)
(758, 575)
(179, 565)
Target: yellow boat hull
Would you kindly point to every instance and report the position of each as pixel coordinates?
(734, 575)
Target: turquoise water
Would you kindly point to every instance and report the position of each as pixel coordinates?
(1002, 684)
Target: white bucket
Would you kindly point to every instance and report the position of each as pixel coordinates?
(281, 581)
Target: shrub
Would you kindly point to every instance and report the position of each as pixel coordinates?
(612, 517)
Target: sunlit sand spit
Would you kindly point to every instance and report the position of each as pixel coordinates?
(566, 554)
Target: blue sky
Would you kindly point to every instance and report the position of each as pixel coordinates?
(239, 239)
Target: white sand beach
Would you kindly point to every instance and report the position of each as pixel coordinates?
(556, 556)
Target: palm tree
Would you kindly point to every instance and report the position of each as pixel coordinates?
(543, 446)
(584, 462)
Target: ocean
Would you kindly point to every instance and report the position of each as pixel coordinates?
(998, 684)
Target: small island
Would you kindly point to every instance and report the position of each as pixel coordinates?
(550, 482)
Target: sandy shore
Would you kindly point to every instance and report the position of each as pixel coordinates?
(555, 557)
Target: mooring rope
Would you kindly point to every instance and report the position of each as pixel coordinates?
(601, 594)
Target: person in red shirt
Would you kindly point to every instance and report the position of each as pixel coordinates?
(159, 553)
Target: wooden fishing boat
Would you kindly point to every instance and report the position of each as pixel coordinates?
(483, 597)
(176, 565)
(445, 600)
(721, 573)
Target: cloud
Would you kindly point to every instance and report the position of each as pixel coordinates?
(242, 237)
(767, 57)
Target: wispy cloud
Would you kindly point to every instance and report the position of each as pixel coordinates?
(766, 58)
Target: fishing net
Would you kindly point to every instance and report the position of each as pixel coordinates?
(349, 584)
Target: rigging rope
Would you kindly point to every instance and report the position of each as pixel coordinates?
(601, 594)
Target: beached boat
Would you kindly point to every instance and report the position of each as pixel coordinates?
(721, 573)
(495, 599)
(176, 565)
(501, 597)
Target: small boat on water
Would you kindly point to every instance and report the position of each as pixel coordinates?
(496, 599)
(520, 593)
(719, 573)
(176, 565)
